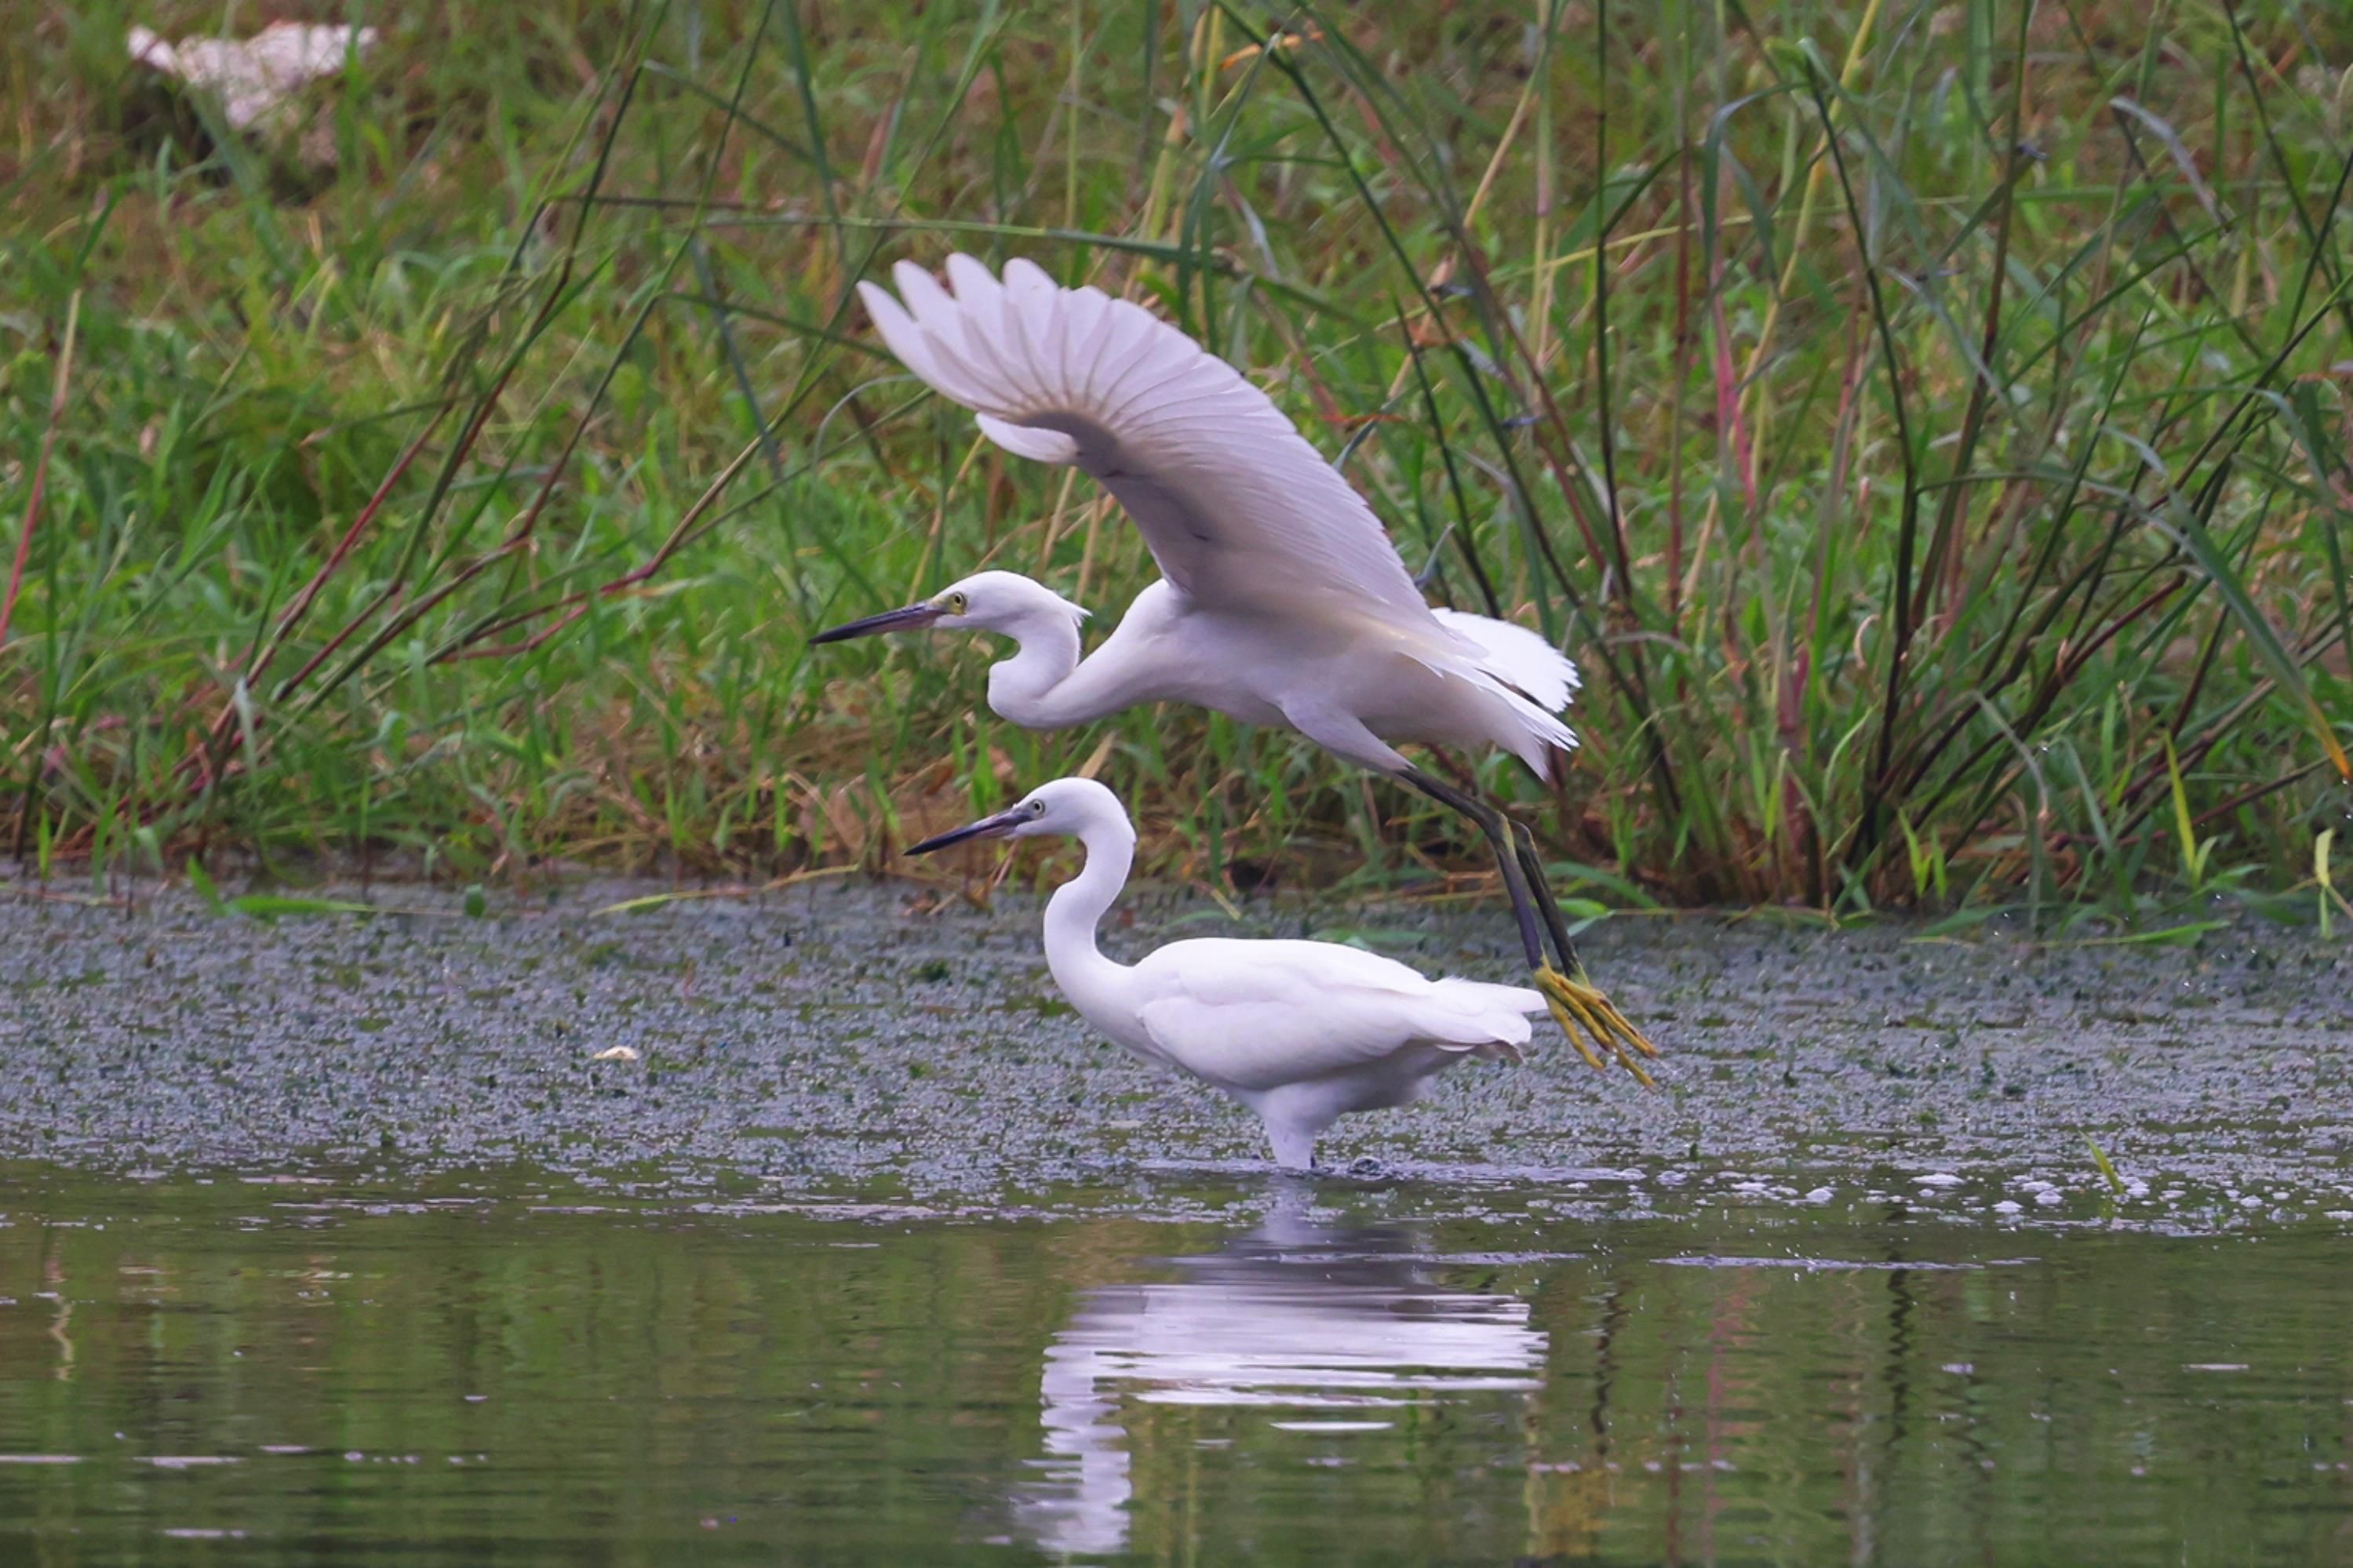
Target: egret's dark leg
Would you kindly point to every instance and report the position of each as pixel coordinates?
(1577, 1007)
(1497, 829)
(1494, 824)
(1498, 833)
(1531, 868)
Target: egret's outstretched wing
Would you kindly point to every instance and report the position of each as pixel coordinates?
(1257, 1015)
(1237, 509)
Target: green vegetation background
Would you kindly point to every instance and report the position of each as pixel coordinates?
(1924, 422)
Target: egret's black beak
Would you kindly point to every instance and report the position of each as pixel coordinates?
(997, 826)
(913, 615)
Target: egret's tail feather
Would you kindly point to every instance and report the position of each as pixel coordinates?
(1529, 679)
(1519, 657)
(1488, 1020)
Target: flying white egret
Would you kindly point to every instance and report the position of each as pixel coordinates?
(1300, 1032)
(1282, 601)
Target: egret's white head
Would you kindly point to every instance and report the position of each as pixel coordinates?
(985, 602)
(1067, 807)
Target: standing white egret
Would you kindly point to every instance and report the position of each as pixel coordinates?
(1300, 1032)
(1282, 601)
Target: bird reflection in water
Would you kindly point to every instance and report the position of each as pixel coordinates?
(1314, 1324)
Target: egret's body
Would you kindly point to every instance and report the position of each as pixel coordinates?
(1350, 693)
(1282, 600)
(1300, 1032)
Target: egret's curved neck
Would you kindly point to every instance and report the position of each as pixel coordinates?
(1079, 905)
(1033, 687)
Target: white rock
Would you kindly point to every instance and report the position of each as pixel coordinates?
(2008, 1206)
(2047, 1197)
(1821, 1194)
(1937, 1179)
(615, 1054)
(256, 76)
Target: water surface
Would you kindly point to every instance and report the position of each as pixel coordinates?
(263, 1368)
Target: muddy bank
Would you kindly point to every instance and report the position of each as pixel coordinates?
(844, 1036)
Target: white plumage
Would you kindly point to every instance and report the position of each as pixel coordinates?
(1519, 658)
(1250, 525)
(1237, 507)
(1300, 1032)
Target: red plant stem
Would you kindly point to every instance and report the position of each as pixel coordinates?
(300, 607)
(577, 602)
(41, 467)
(224, 728)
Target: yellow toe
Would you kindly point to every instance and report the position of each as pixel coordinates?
(1570, 1027)
(1583, 1010)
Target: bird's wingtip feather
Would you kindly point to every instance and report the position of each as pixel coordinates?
(971, 280)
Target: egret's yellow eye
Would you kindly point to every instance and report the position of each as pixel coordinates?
(955, 604)
(1037, 808)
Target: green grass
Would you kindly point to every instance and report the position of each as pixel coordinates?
(1969, 382)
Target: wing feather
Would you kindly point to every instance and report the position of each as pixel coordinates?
(905, 338)
(1126, 329)
(1044, 446)
(1237, 507)
(1085, 318)
(972, 283)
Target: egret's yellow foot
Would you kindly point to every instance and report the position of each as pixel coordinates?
(1577, 1007)
(1573, 1027)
